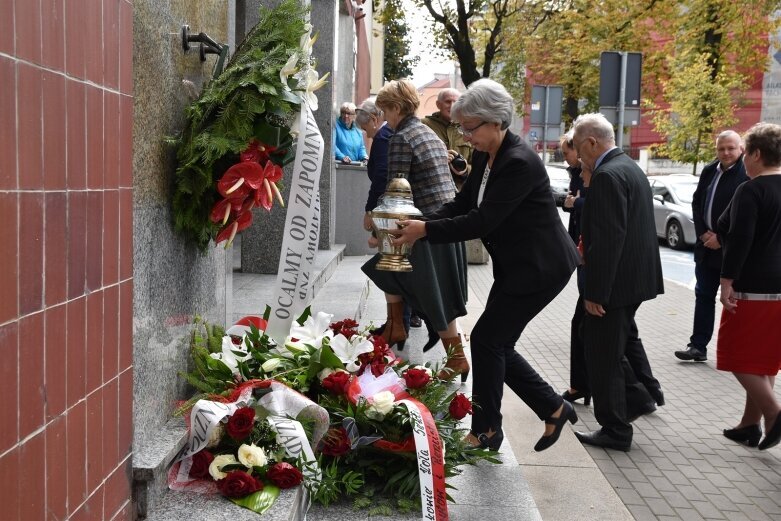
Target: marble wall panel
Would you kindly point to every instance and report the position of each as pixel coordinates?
(173, 281)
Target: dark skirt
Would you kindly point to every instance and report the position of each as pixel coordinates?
(436, 286)
(750, 339)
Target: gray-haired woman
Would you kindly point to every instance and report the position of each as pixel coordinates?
(506, 202)
(371, 120)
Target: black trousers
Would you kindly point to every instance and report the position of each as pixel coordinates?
(578, 376)
(496, 362)
(635, 355)
(616, 390)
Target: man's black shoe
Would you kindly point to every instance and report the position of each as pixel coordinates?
(602, 439)
(692, 353)
(646, 409)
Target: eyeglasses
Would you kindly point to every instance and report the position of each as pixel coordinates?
(467, 132)
(345, 113)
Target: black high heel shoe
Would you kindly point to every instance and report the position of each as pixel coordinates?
(748, 436)
(772, 436)
(433, 336)
(492, 442)
(577, 395)
(567, 414)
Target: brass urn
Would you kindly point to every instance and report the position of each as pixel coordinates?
(395, 205)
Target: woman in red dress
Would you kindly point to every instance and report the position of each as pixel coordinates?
(749, 342)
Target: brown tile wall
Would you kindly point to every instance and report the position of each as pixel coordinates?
(66, 304)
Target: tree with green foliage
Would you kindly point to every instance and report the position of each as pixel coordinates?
(699, 59)
(397, 61)
(478, 25)
(715, 50)
(564, 48)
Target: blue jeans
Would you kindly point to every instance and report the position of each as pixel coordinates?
(704, 305)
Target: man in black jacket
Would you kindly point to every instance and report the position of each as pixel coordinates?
(718, 182)
(622, 269)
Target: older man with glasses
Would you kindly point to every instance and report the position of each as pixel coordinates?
(459, 152)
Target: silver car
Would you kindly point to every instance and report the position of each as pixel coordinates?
(559, 183)
(673, 209)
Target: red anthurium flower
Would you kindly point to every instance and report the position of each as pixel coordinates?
(257, 152)
(265, 195)
(240, 179)
(229, 231)
(221, 211)
(272, 172)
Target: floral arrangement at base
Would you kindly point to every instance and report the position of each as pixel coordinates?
(235, 449)
(393, 428)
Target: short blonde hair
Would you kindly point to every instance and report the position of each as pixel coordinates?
(567, 140)
(401, 94)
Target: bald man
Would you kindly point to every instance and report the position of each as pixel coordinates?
(447, 131)
(718, 182)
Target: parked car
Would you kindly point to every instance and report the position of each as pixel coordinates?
(559, 183)
(673, 209)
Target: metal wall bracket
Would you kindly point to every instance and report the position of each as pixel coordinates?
(206, 45)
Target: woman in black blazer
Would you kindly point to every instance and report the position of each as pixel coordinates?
(507, 203)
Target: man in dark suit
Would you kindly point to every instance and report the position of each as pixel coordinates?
(622, 269)
(718, 182)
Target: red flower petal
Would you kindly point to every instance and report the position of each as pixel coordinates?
(226, 232)
(272, 172)
(252, 173)
(218, 212)
(244, 220)
(257, 152)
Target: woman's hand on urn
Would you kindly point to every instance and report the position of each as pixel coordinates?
(367, 221)
(408, 232)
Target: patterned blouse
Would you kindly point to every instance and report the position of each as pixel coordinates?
(417, 152)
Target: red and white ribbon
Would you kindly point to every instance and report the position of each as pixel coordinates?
(431, 461)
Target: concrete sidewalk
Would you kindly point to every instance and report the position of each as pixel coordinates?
(680, 466)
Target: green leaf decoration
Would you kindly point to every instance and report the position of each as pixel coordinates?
(259, 501)
(306, 314)
(247, 101)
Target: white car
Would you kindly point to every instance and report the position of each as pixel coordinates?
(673, 208)
(559, 183)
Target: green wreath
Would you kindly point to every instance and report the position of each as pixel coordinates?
(238, 132)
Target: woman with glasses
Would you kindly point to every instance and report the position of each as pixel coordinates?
(436, 286)
(348, 140)
(507, 203)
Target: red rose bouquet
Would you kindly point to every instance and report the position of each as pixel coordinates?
(232, 451)
(387, 419)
